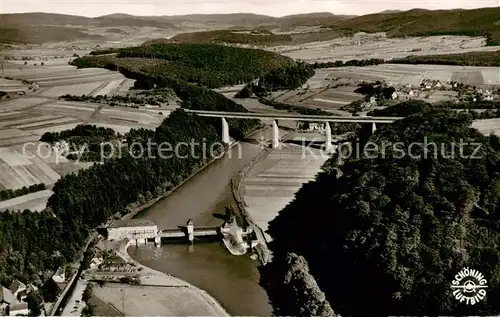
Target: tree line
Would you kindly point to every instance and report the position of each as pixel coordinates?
(138, 99)
(463, 59)
(287, 77)
(352, 62)
(9, 193)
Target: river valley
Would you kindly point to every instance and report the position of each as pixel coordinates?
(232, 280)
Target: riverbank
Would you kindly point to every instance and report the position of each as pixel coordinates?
(208, 265)
(236, 188)
(158, 293)
(153, 201)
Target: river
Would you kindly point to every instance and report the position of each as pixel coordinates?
(232, 280)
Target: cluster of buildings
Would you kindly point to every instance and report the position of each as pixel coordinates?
(465, 92)
(13, 299)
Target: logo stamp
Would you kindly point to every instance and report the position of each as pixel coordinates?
(469, 286)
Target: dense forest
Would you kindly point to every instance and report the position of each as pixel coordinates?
(209, 65)
(462, 59)
(257, 37)
(377, 89)
(85, 142)
(287, 77)
(9, 193)
(80, 131)
(392, 232)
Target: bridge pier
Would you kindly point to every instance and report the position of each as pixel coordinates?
(328, 137)
(190, 230)
(374, 127)
(276, 135)
(225, 132)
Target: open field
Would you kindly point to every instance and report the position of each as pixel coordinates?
(34, 202)
(25, 161)
(272, 182)
(366, 46)
(8, 85)
(326, 89)
(487, 126)
(169, 300)
(413, 74)
(57, 78)
(26, 165)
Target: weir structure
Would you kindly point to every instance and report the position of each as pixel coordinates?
(143, 231)
(373, 121)
(189, 232)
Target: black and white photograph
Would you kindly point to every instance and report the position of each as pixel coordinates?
(310, 158)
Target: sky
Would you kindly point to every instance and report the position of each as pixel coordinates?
(93, 8)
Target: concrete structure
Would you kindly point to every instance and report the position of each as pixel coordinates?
(233, 238)
(225, 132)
(189, 232)
(190, 226)
(328, 141)
(284, 116)
(291, 117)
(139, 230)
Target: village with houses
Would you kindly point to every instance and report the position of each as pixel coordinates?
(15, 298)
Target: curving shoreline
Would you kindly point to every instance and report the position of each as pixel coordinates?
(151, 277)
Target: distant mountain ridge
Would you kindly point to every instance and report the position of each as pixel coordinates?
(25, 27)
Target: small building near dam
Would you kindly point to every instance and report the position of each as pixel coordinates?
(139, 230)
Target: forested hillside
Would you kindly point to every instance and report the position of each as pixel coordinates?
(386, 236)
(419, 22)
(209, 65)
(232, 36)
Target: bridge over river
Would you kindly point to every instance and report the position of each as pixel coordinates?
(290, 117)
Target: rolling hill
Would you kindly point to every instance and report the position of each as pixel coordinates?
(416, 22)
(420, 22)
(227, 28)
